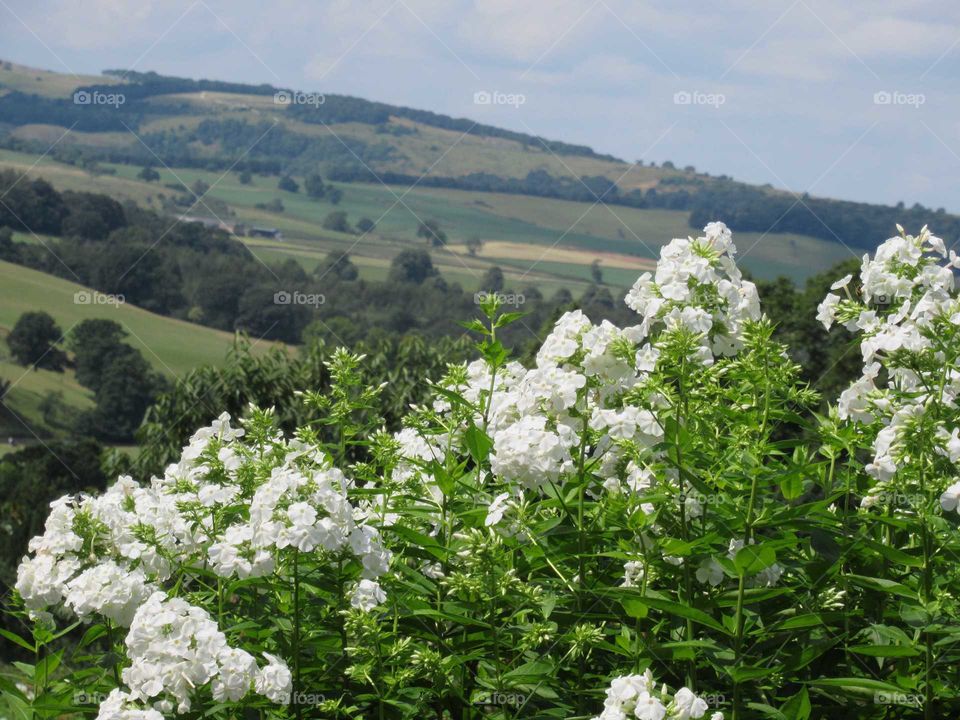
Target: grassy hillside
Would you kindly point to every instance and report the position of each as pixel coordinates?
(545, 242)
(172, 346)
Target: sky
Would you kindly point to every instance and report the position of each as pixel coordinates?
(854, 100)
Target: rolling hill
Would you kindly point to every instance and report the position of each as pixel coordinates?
(544, 209)
(171, 346)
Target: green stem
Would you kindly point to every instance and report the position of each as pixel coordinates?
(296, 633)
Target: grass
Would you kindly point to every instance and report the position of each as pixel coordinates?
(171, 346)
(561, 237)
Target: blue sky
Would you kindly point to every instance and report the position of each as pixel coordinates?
(851, 100)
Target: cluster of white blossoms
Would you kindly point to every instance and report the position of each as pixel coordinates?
(906, 305)
(175, 647)
(698, 286)
(575, 406)
(225, 506)
(636, 696)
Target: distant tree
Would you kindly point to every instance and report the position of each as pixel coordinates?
(668, 165)
(430, 230)
(492, 280)
(200, 188)
(596, 273)
(334, 194)
(365, 225)
(336, 265)
(148, 174)
(33, 342)
(275, 205)
(7, 249)
(412, 266)
(314, 186)
(337, 221)
(128, 386)
(473, 245)
(218, 296)
(246, 177)
(94, 344)
(288, 184)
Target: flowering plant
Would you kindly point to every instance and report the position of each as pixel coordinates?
(658, 499)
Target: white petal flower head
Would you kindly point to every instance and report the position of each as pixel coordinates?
(367, 595)
(950, 499)
(649, 708)
(842, 282)
(687, 705)
(827, 310)
(274, 681)
(710, 572)
(496, 509)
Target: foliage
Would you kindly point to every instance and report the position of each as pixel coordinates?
(33, 342)
(652, 501)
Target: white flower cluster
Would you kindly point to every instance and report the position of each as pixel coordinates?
(224, 506)
(636, 696)
(175, 647)
(907, 298)
(697, 286)
(539, 419)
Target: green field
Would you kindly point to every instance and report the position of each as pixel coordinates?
(171, 346)
(579, 231)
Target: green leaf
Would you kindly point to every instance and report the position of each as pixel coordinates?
(634, 608)
(16, 639)
(687, 613)
(478, 444)
(798, 707)
(792, 485)
(882, 584)
(857, 684)
(891, 651)
(752, 559)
